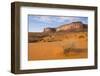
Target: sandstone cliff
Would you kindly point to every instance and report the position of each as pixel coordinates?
(67, 27)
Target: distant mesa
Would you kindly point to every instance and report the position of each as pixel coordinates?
(67, 27)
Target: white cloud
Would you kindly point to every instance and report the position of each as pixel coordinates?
(46, 18)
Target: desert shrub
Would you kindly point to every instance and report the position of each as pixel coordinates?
(50, 41)
(44, 40)
(66, 51)
(67, 48)
(33, 39)
(81, 36)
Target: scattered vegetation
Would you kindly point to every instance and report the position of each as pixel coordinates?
(68, 47)
(52, 37)
(81, 36)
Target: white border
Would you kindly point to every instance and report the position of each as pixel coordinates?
(25, 64)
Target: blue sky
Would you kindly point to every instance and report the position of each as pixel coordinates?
(37, 23)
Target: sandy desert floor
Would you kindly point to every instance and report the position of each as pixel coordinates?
(55, 50)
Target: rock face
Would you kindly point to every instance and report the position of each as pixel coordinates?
(49, 29)
(67, 27)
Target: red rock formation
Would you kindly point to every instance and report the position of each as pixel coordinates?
(71, 26)
(67, 27)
